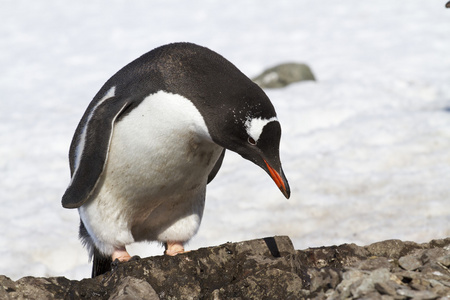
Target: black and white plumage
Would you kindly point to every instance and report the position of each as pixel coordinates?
(154, 136)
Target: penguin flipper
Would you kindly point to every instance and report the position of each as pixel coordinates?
(90, 147)
(217, 166)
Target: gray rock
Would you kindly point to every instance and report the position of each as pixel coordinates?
(367, 284)
(424, 295)
(420, 284)
(34, 288)
(386, 288)
(432, 255)
(444, 260)
(409, 262)
(351, 279)
(388, 249)
(265, 284)
(134, 289)
(323, 279)
(372, 263)
(283, 75)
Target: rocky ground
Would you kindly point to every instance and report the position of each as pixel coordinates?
(268, 268)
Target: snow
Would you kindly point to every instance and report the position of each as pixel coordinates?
(366, 148)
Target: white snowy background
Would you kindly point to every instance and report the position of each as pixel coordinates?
(366, 148)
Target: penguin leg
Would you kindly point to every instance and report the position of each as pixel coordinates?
(174, 248)
(121, 254)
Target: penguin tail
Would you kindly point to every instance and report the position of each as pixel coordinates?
(100, 263)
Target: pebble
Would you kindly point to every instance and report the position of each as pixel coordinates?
(444, 260)
(425, 295)
(409, 262)
(385, 288)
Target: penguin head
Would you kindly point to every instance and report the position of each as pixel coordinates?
(254, 134)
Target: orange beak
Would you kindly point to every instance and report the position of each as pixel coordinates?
(278, 180)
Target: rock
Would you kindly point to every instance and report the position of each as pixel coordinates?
(362, 283)
(444, 260)
(409, 262)
(334, 256)
(372, 263)
(350, 280)
(391, 248)
(268, 268)
(269, 284)
(386, 288)
(424, 295)
(134, 289)
(283, 75)
(433, 254)
(323, 279)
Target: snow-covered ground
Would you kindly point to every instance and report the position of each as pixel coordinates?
(366, 148)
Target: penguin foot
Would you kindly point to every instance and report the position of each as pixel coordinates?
(116, 262)
(120, 254)
(174, 248)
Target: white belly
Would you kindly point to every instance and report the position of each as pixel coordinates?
(153, 186)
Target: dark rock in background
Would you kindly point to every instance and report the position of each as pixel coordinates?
(283, 75)
(267, 268)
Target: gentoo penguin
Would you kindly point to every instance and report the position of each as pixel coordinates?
(151, 140)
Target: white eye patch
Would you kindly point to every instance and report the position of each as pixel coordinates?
(254, 127)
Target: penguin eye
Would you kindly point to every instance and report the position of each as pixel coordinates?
(251, 141)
